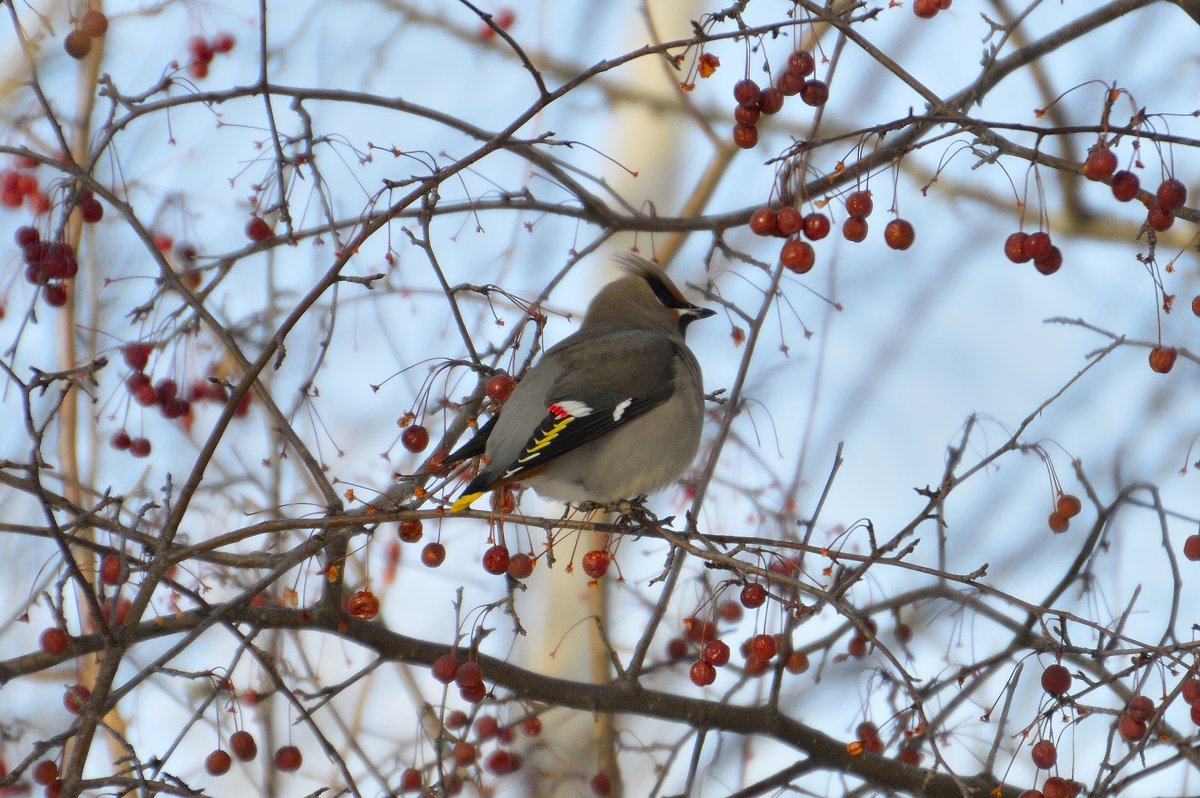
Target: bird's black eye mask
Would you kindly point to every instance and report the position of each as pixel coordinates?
(665, 294)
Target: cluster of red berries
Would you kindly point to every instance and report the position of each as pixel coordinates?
(1055, 787)
(1132, 723)
(1171, 194)
(754, 101)
(1023, 247)
(798, 255)
(287, 759)
(467, 675)
(928, 9)
(49, 265)
(92, 25)
(19, 185)
(757, 651)
(1066, 508)
(867, 739)
(203, 50)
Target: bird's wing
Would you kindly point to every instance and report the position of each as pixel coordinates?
(611, 380)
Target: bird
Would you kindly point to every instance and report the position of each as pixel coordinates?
(613, 411)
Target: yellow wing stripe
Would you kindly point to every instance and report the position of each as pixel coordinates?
(546, 439)
(464, 501)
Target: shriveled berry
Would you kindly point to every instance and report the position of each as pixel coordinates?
(771, 101)
(411, 531)
(746, 115)
(362, 605)
(790, 84)
(495, 560)
(433, 555)
(1141, 707)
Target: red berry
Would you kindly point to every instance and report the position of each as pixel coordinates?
(499, 387)
(444, 668)
(1190, 692)
(257, 229)
(502, 762)
(140, 447)
(1162, 358)
(45, 772)
(1191, 550)
(469, 674)
(899, 234)
(362, 605)
(746, 115)
(860, 204)
(410, 780)
(531, 726)
(166, 390)
(763, 646)
(763, 222)
(410, 531)
(797, 662)
(1044, 754)
(753, 596)
(26, 236)
(797, 256)
(746, 92)
(93, 23)
(866, 731)
(464, 753)
(699, 631)
(54, 641)
(1100, 164)
(75, 697)
(415, 438)
(595, 563)
(136, 355)
(495, 560)
(702, 673)
(487, 727)
(1125, 185)
(243, 745)
(716, 653)
(1171, 194)
(1141, 707)
(814, 93)
(288, 759)
(110, 569)
(223, 42)
(745, 136)
(677, 648)
(91, 210)
(1069, 505)
(1056, 680)
(1131, 728)
(789, 221)
(801, 63)
(601, 784)
(1049, 264)
(1196, 305)
(1056, 787)
(789, 85)
(854, 229)
(217, 763)
(520, 566)
(925, 9)
(77, 44)
(816, 226)
(1159, 218)
(55, 295)
(771, 101)
(1058, 522)
(1038, 245)
(433, 555)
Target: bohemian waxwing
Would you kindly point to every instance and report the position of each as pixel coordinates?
(611, 412)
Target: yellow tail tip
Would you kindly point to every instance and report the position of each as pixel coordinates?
(464, 501)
